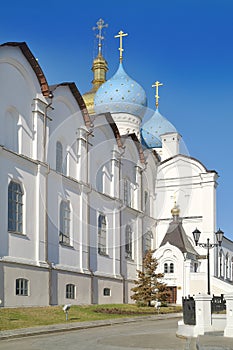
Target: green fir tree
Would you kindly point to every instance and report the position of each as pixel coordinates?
(149, 286)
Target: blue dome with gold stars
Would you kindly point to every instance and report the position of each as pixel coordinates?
(121, 94)
(153, 128)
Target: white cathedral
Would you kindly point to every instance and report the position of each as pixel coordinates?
(90, 183)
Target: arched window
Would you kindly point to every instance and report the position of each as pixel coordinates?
(128, 242)
(70, 291)
(171, 268)
(15, 207)
(21, 287)
(107, 292)
(168, 268)
(102, 235)
(64, 236)
(61, 159)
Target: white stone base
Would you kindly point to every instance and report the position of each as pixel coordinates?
(228, 332)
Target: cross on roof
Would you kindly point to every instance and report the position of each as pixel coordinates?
(156, 85)
(120, 35)
(100, 26)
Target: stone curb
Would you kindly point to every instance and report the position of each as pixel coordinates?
(67, 327)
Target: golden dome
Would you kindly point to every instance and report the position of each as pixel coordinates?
(175, 210)
(99, 68)
(88, 98)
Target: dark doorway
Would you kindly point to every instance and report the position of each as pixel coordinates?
(173, 295)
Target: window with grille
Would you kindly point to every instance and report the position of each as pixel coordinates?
(70, 291)
(128, 242)
(15, 207)
(102, 235)
(64, 236)
(21, 287)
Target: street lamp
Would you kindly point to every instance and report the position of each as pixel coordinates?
(208, 245)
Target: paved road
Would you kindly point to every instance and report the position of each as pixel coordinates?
(149, 334)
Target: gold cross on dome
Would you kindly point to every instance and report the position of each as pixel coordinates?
(156, 85)
(100, 25)
(120, 35)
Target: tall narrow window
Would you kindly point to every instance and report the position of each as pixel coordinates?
(227, 265)
(220, 262)
(128, 242)
(147, 241)
(64, 236)
(171, 268)
(15, 207)
(165, 268)
(70, 291)
(21, 287)
(59, 157)
(102, 235)
(127, 193)
(146, 203)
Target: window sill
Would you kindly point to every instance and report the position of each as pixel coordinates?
(103, 254)
(66, 245)
(129, 259)
(23, 235)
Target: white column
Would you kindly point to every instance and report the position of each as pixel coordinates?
(203, 313)
(228, 331)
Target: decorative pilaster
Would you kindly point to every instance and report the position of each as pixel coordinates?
(138, 189)
(82, 154)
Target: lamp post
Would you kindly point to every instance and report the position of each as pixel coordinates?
(219, 235)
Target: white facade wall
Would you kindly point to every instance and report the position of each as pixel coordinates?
(104, 174)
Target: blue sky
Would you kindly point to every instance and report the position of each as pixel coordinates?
(186, 44)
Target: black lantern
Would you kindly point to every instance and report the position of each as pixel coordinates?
(219, 235)
(196, 235)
